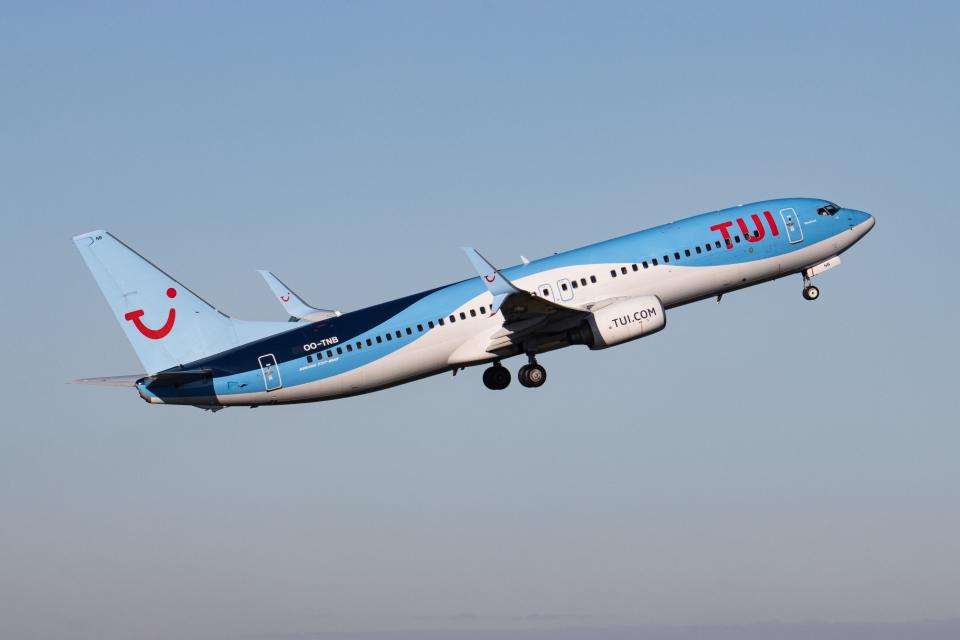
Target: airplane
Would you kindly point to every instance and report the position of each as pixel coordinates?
(600, 296)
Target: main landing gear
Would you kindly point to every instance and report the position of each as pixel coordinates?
(531, 375)
(810, 292)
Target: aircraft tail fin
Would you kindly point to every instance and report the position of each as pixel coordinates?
(167, 323)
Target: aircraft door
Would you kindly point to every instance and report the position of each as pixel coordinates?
(270, 371)
(792, 225)
(546, 291)
(564, 289)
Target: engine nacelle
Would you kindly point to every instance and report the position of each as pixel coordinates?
(621, 322)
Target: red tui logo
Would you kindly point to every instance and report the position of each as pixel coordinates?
(154, 334)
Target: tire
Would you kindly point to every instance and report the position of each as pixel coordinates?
(811, 293)
(532, 376)
(496, 378)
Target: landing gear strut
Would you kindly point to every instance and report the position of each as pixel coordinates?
(810, 292)
(532, 375)
(496, 377)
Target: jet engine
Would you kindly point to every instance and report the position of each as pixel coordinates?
(621, 321)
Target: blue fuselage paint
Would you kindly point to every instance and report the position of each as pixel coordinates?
(680, 262)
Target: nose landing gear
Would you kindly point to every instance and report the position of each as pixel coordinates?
(810, 292)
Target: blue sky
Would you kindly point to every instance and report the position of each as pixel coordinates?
(762, 459)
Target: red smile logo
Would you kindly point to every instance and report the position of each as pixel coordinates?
(285, 298)
(154, 334)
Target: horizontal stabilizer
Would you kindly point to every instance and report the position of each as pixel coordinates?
(111, 381)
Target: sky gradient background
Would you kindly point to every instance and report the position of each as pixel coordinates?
(762, 459)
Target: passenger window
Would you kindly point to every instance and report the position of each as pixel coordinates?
(440, 321)
(613, 273)
(676, 255)
(483, 310)
(623, 270)
(709, 247)
(698, 249)
(646, 265)
(309, 358)
(686, 252)
(718, 244)
(635, 267)
(420, 328)
(398, 334)
(546, 291)
(592, 279)
(409, 331)
(655, 263)
(389, 337)
(369, 342)
(563, 286)
(359, 345)
(473, 313)
(573, 283)
(339, 351)
(463, 316)
(737, 238)
(349, 347)
(430, 324)
(666, 259)
(453, 319)
(379, 340)
(329, 353)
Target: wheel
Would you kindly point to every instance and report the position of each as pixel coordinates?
(811, 293)
(496, 377)
(532, 375)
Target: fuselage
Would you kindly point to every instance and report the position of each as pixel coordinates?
(451, 327)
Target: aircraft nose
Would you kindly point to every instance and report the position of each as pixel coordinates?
(860, 220)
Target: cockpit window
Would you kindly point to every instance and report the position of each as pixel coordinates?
(829, 210)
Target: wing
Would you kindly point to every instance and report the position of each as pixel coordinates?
(525, 314)
(292, 303)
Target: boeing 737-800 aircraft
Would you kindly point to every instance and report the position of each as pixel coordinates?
(600, 295)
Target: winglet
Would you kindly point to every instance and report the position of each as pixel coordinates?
(499, 285)
(292, 303)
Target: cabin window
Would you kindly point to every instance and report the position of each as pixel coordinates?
(349, 348)
(329, 353)
(718, 244)
(613, 273)
(635, 267)
(592, 279)
(453, 319)
(655, 263)
(440, 321)
(429, 324)
(699, 250)
(359, 344)
(483, 309)
(737, 238)
(563, 286)
(339, 351)
(573, 283)
(686, 252)
(398, 333)
(369, 342)
(473, 313)
(420, 328)
(676, 255)
(463, 316)
(409, 331)
(623, 270)
(379, 340)
(309, 358)
(709, 247)
(389, 337)
(666, 259)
